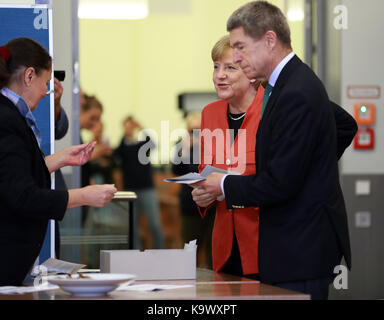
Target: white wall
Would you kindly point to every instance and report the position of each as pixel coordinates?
(362, 53)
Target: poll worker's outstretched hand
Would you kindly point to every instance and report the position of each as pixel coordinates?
(70, 156)
(201, 197)
(78, 155)
(99, 195)
(94, 196)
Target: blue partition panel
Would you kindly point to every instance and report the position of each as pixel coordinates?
(33, 21)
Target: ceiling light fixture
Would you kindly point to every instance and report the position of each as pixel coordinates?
(295, 15)
(113, 9)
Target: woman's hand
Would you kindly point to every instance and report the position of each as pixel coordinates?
(94, 196)
(78, 155)
(71, 156)
(99, 195)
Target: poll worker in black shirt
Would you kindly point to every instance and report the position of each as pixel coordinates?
(133, 157)
(27, 201)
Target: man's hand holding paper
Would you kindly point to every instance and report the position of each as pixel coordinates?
(202, 198)
(208, 190)
(207, 184)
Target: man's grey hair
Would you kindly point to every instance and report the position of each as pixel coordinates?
(258, 17)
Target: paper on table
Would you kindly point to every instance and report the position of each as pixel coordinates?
(125, 195)
(150, 287)
(58, 266)
(21, 290)
(191, 245)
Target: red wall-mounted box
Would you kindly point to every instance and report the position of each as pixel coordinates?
(364, 139)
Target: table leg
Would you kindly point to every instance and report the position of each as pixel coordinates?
(130, 224)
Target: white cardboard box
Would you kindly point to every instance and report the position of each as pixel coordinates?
(158, 264)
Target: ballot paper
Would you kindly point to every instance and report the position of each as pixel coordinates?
(147, 287)
(194, 177)
(22, 290)
(188, 178)
(124, 195)
(191, 245)
(57, 266)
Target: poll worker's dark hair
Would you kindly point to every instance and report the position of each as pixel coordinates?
(258, 17)
(23, 53)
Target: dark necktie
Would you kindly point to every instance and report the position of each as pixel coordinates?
(267, 93)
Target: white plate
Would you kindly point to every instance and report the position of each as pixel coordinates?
(97, 285)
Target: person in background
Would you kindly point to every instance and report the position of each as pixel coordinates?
(104, 221)
(193, 227)
(103, 167)
(61, 119)
(137, 177)
(27, 200)
(90, 115)
(236, 232)
(303, 221)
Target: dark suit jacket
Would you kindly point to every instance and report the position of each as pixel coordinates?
(303, 221)
(346, 128)
(27, 201)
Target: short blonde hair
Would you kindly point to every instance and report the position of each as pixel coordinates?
(220, 47)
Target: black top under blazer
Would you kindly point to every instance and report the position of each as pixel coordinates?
(27, 201)
(303, 220)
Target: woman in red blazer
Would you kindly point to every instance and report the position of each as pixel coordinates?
(228, 140)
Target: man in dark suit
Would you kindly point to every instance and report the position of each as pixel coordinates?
(303, 221)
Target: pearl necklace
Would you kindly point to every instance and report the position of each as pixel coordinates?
(242, 116)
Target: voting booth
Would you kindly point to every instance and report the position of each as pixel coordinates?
(35, 21)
